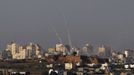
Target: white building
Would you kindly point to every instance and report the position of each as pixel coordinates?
(13, 49)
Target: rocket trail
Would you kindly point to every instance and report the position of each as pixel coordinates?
(68, 31)
(57, 34)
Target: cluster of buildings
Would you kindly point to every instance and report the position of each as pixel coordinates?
(126, 56)
(67, 50)
(64, 58)
(29, 51)
(32, 50)
(86, 61)
(58, 49)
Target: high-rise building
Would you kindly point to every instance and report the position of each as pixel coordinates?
(31, 50)
(24, 52)
(12, 48)
(87, 50)
(38, 51)
(105, 51)
(101, 51)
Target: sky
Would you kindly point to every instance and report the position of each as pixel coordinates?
(96, 22)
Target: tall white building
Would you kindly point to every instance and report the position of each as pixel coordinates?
(13, 49)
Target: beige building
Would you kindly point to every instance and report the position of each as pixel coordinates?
(60, 48)
(101, 50)
(22, 54)
(105, 51)
(51, 50)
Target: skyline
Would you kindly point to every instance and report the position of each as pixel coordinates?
(95, 22)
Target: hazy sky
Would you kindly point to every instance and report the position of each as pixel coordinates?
(95, 21)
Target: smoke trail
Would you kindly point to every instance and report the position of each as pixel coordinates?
(66, 23)
(58, 36)
(68, 31)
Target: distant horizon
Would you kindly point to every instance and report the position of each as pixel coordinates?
(95, 46)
